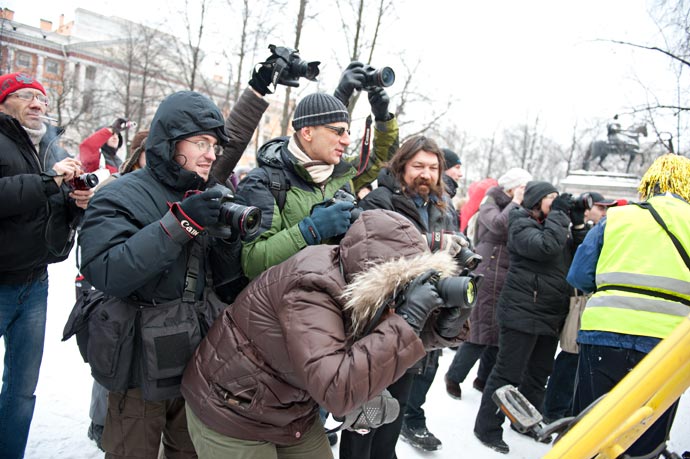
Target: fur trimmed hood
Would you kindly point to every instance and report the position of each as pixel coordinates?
(379, 255)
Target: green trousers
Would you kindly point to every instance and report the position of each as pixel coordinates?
(212, 445)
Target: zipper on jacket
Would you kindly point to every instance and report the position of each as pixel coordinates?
(536, 287)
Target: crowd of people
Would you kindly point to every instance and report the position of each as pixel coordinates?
(209, 340)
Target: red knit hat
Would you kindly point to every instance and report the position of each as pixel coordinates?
(14, 81)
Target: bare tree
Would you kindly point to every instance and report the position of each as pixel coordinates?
(288, 107)
(189, 53)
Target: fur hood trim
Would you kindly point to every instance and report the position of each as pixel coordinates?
(380, 282)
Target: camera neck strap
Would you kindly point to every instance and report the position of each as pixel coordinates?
(676, 242)
(366, 146)
(189, 294)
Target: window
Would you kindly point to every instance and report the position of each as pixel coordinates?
(24, 60)
(52, 67)
(90, 72)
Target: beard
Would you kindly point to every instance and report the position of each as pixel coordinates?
(424, 188)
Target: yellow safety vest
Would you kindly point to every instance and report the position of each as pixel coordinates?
(643, 285)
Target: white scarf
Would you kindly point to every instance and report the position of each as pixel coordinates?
(36, 134)
(319, 171)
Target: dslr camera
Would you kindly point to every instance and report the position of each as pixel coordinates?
(289, 67)
(235, 218)
(378, 78)
(582, 202)
(84, 182)
(342, 195)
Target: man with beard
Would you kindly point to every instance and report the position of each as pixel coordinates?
(412, 185)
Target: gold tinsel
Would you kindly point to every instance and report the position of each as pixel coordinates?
(668, 173)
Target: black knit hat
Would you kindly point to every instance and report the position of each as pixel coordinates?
(535, 191)
(451, 158)
(318, 109)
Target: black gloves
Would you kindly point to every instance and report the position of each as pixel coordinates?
(577, 215)
(450, 320)
(262, 76)
(203, 208)
(563, 202)
(419, 299)
(326, 221)
(119, 125)
(379, 100)
(352, 78)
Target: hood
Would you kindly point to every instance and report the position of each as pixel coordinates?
(269, 154)
(386, 179)
(180, 115)
(381, 252)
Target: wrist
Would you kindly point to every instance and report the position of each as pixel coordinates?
(309, 232)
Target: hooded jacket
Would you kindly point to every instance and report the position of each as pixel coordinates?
(286, 346)
(126, 251)
(279, 236)
(30, 198)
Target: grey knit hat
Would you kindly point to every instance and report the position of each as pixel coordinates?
(318, 109)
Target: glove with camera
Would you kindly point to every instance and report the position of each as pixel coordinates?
(264, 76)
(563, 202)
(379, 100)
(448, 241)
(187, 219)
(450, 320)
(326, 220)
(419, 300)
(380, 410)
(352, 79)
(119, 125)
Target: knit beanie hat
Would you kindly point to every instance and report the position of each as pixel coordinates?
(514, 178)
(535, 191)
(451, 158)
(14, 81)
(318, 109)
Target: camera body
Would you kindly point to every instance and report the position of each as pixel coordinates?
(84, 181)
(378, 78)
(235, 218)
(342, 195)
(582, 202)
(290, 67)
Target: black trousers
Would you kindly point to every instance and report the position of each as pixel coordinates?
(600, 368)
(414, 415)
(558, 400)
(465, 358)
(379, 443)
(525, 361)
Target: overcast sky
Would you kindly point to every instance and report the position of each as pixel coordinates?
(500, 62)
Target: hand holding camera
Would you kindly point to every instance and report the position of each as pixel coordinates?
(419, 300)
(563, 202)
(353, 78)
(203, 208)
(379, 101)
(121, 124)
(284, 66)
(450, 320)
(329, 220)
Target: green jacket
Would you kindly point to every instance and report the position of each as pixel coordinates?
(279, 237)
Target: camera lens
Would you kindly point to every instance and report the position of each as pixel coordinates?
(450, 289)
(245, 219)
(385, 76)
(84, 182)
(468, 259)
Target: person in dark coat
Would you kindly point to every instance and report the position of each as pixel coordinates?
(492, 237)
(38, 214)
(532, 306)
(137, 239)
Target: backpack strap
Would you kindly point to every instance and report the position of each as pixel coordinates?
(278, 183)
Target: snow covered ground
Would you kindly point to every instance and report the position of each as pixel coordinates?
(64, 391)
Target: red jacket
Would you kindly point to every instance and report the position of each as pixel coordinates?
(90, 151)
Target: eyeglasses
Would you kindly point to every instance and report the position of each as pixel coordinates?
(205, 147)
(29, 96)
(340, 131)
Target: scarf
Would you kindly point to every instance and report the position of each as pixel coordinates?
(36, 135)
(319, 171)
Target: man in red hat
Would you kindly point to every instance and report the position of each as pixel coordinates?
(39, 212)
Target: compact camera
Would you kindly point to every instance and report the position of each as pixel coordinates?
(84, 182)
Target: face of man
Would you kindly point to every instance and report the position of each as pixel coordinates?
(196, 154)
(324, 144)
(596, 213)
(421, 173)
(455, 172)
(27, 112)
(113, 141)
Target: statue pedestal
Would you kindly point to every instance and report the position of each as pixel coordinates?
(613, 185)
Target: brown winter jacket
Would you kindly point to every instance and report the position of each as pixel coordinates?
(285, 346)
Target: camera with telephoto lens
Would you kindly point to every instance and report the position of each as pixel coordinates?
(290, 67)
(582, 202)
(378, 78)
(234, 218)
(467, 259)
(450, 289)
(84, 182)
(342, 195)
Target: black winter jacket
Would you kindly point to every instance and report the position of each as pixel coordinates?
(31, 202)
(535, 295)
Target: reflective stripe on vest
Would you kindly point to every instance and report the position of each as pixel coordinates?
(641, 278)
